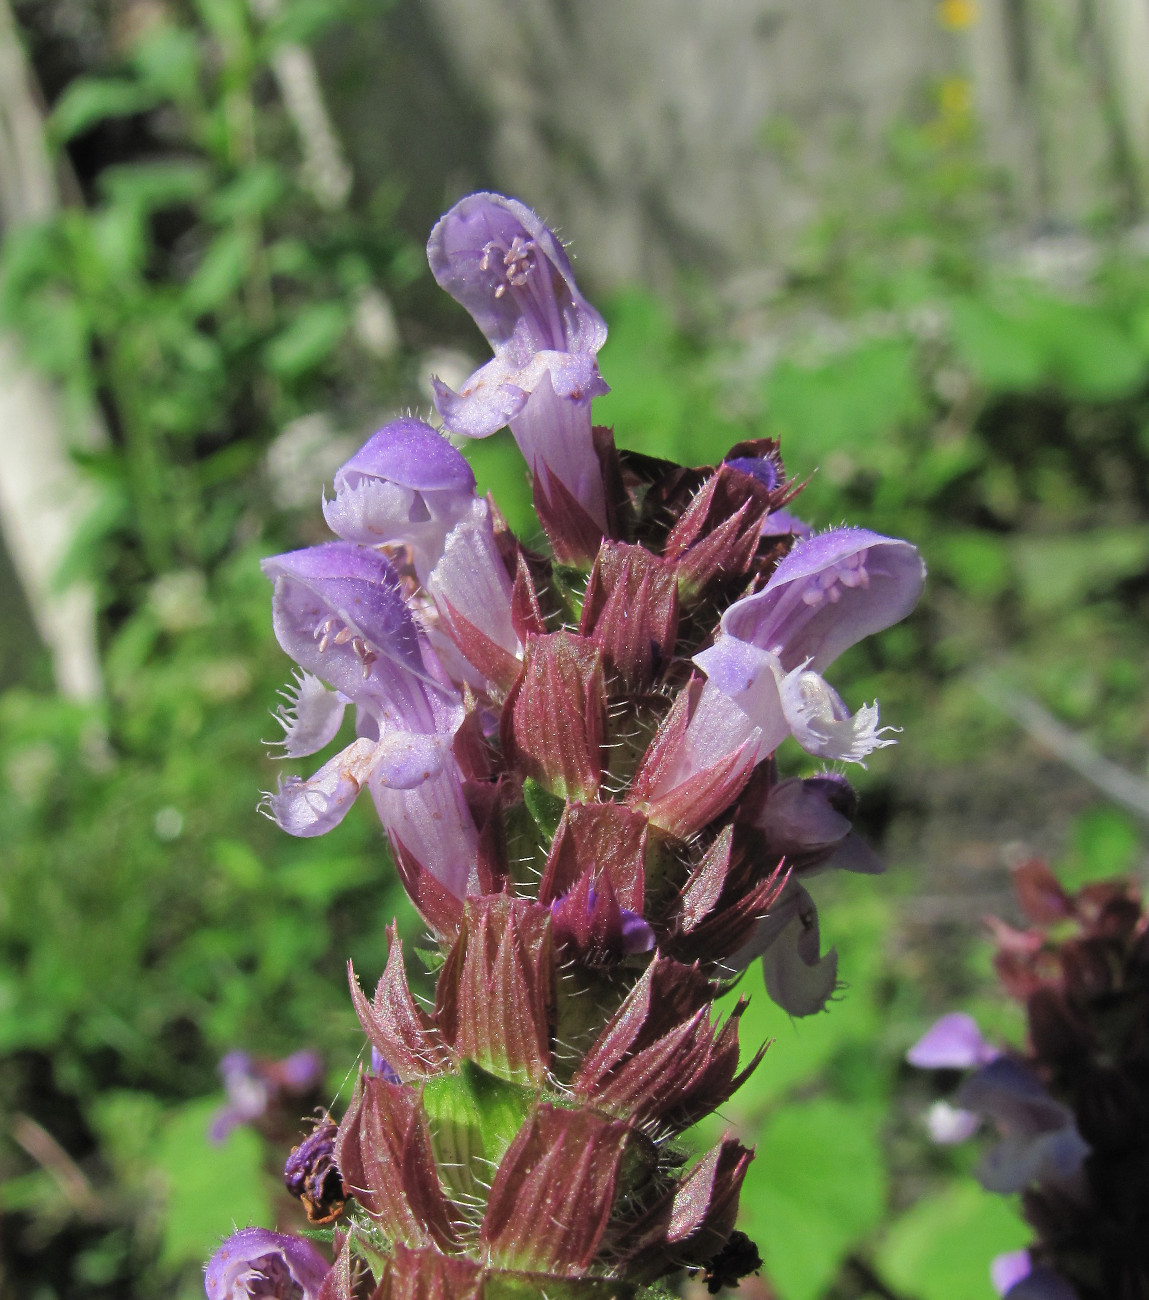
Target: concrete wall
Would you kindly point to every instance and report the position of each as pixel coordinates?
(668, 133)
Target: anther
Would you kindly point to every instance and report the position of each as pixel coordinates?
(322, 632)
(519, 260)
(367, 656)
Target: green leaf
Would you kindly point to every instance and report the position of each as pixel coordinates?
(222, 271)
(978, 562)
(89, 100)
(1060, 570)
(253, 192)
(941, 1249)
(432, 959)
(240, 863)
(318, 880)
(167, 59)
(850, 404)
(1105, 842)
(815, 1189)
(209, 1189)
(1091, 356)
(500, 470)
(308, 341)
(1000, 354)
(149, 187)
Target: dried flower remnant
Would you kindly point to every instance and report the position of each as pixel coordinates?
(312, 1175)
(1069, 1111)
(578, 783)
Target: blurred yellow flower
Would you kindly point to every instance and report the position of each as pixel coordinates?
(957, 14)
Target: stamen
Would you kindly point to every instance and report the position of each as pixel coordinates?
(367, 656)
(341, 638)
(827, 585)
(322, 631)
(519, 260)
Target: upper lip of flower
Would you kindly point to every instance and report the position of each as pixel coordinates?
(830, 592)
(497, 258)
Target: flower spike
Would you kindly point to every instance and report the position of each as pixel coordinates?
(572, 751)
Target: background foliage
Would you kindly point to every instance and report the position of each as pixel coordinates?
(934, 380)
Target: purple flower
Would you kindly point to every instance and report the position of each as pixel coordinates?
(433, 823)
(1040, 1143)
(406, 485)
(799, 977)
(953, 1043)
(590, 920)
(809, 822)
(1005, 1270)
(247, 1095)
(781, 523)
(338, 611)
(1015, 1278)
(253, 1087)
(828, 593)
(472, 593)
(496, 258)
(311, 1173)
(256, 1264)
(381, 1067)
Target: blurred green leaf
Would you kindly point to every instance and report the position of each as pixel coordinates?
(852, 404)
(1001, 356)
(942, 1247)
(1056, 571)
(816, 1188)
(1088, 351)
(1105, 842)
(978, 562)
(221, 273)
(210, 1189)
(308, 341)
(151, 186)
(254, 191)
(87, 101)
(500, 469)
(167, 59)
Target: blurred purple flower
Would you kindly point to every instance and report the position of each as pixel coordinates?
(1015, 1278)
(1005, 1270)
(253, 1087)
(953, 1043)
(1040, 1143)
